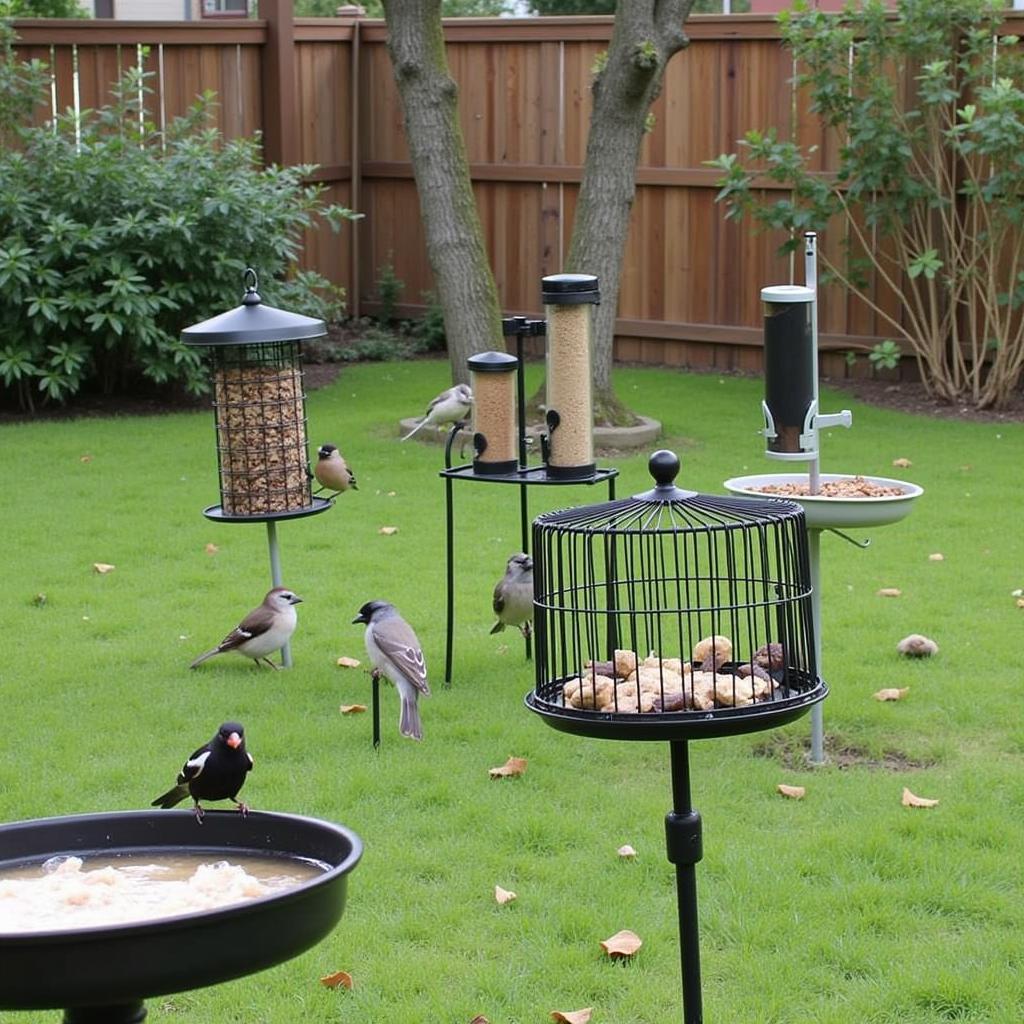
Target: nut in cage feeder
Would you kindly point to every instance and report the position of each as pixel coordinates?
(495, 433)
(568, 309)
(259, 404)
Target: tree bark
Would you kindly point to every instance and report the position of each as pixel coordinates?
(646, 35)
(454, 239)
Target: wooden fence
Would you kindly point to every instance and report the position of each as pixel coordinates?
(322, 91)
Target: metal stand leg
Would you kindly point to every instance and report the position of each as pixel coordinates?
(685, 849)
(524, 536)
(375, 706)
(275, 577)
(817, 717)
(126, 1013)
(450, 577)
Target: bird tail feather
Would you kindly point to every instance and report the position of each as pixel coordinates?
(205, 657)
(171, 797)
(414, 429)
(497, 627)
(409, 725)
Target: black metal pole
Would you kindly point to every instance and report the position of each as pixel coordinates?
(449, 546)
(375, 707)
(685, 849)
(122, 1013)
(524, 508)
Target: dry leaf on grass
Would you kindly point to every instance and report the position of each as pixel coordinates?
(889, 592)
(793, 792)
(85, 458)
(626, 852)
(211, 549)
(902, 463)
(339, 979)
(346, 662)
(103, 568)
(513, 766)
(388, 530)
(572, 1016)
(910, 800)
(936, 556)
(1020, 602)
(351, 709)
(503, 896)
(892, 693)
(622, 944)
(479, 1019)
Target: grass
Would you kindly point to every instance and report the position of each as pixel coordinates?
(843, 908)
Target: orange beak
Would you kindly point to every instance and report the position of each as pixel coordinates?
(234, 740)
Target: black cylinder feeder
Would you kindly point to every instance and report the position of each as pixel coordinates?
(495, 430)
(789, 372)
(674, 615)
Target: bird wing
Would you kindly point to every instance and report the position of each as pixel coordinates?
(398, 643)
(256, 623)
(443, 397)
(194, 766)
(498, 604)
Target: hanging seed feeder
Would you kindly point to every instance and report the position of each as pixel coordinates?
(677, 616)
(260, 413)
(495, 428)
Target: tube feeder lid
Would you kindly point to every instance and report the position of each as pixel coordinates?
(570, 290)
(785, 293)
(492, 362)
(253, 323)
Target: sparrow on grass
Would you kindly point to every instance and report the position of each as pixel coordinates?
(215, 771)
(264, 630)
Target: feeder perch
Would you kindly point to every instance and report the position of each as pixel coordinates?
(674, 615)
(495, 437)
(568, 308)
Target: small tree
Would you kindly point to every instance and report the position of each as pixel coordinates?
(929, 190)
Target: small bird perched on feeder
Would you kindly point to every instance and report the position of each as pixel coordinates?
(513, 595)
(332, 472)
(396, 653)
(215, 771)
(451, 406)
(264, 630)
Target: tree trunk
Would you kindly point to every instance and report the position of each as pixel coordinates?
(454, 239)
(646, 35)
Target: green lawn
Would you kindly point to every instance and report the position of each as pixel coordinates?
(842, 908)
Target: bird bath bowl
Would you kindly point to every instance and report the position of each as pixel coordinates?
(102, 974)
(825, 513)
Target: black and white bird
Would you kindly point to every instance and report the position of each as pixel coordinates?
(215, 771)
(451, 406)
(332, 472)
(396, 653)
(513, 595)
(264, 630)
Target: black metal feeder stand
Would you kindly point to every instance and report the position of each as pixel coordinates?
(674, 616)
(260, 417)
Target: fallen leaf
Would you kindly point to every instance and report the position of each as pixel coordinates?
(1020, 602)
(388, 530)
(392, 494)
(626, 851)
(39, 600)
(85, 458)
(513, 766)
(211, 549)
(889, 592)
(503, 896)
(572, 1016)
(937, 557)
(351, 709)
(793, 792)
(902, 463)
(103, 568)
(624, 943)
(892, 693)
(909, 800)
(346, 662)
(479, 1019)
(339, 979)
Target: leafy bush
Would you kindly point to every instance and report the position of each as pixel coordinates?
(113, 241)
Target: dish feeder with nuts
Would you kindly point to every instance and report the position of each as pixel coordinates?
(260, 415)
(674, 615)
(792, 425)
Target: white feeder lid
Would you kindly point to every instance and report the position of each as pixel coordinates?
(787, 293)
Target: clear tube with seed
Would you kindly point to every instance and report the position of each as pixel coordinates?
(495, 439)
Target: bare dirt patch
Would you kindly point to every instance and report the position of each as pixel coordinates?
(793, 752)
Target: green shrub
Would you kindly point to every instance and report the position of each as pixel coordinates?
(113, 241)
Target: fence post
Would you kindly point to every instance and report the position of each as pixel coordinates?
(280, 96)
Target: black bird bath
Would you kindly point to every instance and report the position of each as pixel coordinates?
(102, 975)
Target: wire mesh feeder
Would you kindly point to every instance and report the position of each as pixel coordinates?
(674, 615)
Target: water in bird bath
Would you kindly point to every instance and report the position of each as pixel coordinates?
(67, 892)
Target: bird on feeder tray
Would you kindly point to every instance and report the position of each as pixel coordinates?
(264, 630)
(215, 771)
(513, 595)
(397, 654)
(332, 472)
(451, 406)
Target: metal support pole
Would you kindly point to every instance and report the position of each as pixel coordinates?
(685, 849)
(811, 281)
(817, 715)
(375, 708)
(450, 577)
(275, 578)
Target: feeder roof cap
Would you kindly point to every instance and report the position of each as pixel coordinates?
(253, 323)
(570, 289)
(787, 293)
(492, 362)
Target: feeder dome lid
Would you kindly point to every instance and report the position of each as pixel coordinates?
(570, 289)
(492, 362)
(253, 323)
(787, 293)
(667, 508)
